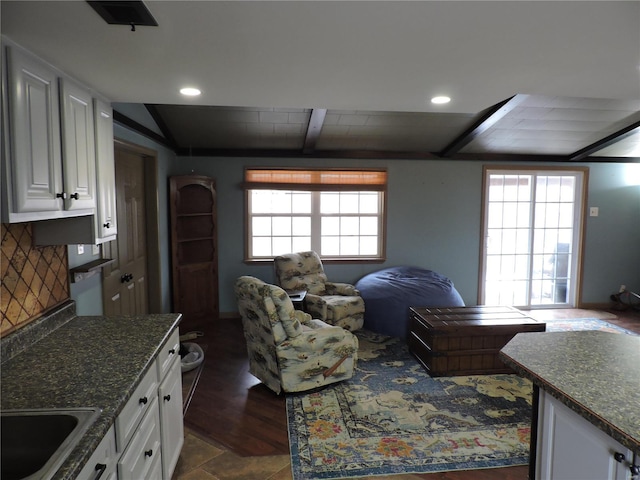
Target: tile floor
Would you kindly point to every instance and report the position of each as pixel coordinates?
(202, 460)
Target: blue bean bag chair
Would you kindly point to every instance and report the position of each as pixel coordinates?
(389, 293)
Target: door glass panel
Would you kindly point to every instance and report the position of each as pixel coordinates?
(530, 236)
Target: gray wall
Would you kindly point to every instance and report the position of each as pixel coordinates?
(434, 222)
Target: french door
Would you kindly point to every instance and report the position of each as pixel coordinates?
(532, 232)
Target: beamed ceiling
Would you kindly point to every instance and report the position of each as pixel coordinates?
(529, 80)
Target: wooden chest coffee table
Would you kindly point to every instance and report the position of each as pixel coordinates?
(465, 340)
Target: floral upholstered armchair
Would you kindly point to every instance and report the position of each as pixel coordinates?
(288, 350)
(335, 303)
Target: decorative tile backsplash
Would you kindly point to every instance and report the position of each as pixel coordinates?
(34, 279)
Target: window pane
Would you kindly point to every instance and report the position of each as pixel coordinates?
(281, 245)
(349, 246)
(301, 202)
(280, 202)
(301, 244)
(349, 226)
(261, 226)
(349, 202)
(495, 215)
(368, 245)
(262, 246)
(368, 226)
(330, 225)
(261, 201)
(369, 202)
(510, 218)
(282, 226)
(301, 225)
(329, 202)
(330, 246)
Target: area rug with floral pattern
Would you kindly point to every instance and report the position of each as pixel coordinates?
(392, 417)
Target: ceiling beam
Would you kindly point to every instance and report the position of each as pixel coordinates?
(489, 119)
(605, 142)
(157, 117)
(313, 129)
(141, 129)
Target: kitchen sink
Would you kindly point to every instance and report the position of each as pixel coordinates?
(35, 443)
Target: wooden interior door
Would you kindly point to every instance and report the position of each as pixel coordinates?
(194, 248)
(125, 280)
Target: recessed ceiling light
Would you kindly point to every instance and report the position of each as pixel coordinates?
(440, 100)
(190, 91)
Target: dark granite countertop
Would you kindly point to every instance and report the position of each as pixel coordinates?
(596, 374)
(88, 361)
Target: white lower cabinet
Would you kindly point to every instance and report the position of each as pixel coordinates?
(146, 439)
(141, 457)
(172, 428)
(571, 448)
(103, 464)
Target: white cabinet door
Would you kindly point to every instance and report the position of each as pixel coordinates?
(103, 464)
(142, 456)
(78, 146)
(171, 420)
(571, 448)
(106, 227)
(33, 166)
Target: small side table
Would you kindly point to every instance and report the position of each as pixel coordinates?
(297, 298)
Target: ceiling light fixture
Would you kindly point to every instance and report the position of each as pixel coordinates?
(440, 100)
(190, 91)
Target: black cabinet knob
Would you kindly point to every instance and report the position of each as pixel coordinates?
(635, 470)
(100, 468)
(618, 457)
(148, 453)
(167, 398)
(144, 400)
(75, 196)
(106, 225)
(172, 351)
(61, 195)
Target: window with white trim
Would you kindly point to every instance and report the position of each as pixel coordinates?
(338, 213)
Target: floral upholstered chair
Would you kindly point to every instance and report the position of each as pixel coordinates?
(288, 350)
(335, 303)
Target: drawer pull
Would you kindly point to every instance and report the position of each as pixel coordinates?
(148, 453)
(172, 351)
(167, 398)
(144, 400)
(100, 468)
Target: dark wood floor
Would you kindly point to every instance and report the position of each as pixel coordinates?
(235, 410)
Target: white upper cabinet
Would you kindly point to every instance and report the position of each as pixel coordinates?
(106, 226)
(78, 146)
(34, 164)
(48, 152)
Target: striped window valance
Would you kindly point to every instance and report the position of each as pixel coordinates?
(315, 179)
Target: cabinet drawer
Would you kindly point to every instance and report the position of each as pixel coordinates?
(168, 353)
(103, 463)
(135, 408)
(142, 457)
